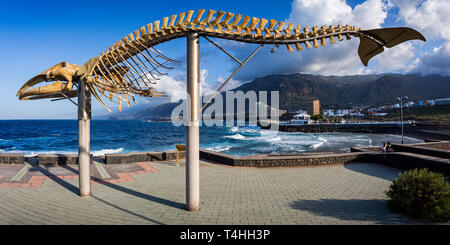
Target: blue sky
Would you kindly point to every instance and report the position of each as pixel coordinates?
(40, 34)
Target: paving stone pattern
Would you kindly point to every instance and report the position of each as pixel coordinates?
(154, 193)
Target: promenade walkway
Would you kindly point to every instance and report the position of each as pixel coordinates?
(154, 193)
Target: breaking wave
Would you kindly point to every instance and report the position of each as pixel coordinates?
(106, 151)
(110, 136)
(234, 129)
(236, 137)
(218, 148)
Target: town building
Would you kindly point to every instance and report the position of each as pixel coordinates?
(315, 107)
(300, 118)
(444, 101)
(329, 113)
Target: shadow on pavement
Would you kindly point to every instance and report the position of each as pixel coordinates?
(127, 211)
(353, 209)
(75, 189)
(58, 180)
(375, 170)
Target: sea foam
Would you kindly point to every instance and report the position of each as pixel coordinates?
(236, 137)
(106, 151)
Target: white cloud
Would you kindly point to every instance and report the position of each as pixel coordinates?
(319, 12)
(175, 87)
(397, 58)
(230, 85)
(205, 87)
(370, 14)
(431, 18)
(435, 62)
(333, 59)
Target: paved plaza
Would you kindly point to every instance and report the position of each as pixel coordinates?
(154, 193)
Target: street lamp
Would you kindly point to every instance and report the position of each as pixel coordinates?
(401, 110)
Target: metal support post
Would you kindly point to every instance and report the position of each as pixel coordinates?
(401, 112)
(242, 64)
(192, 127)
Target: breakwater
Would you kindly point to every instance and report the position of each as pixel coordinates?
(344, 127)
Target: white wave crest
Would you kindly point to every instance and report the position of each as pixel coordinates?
(236, 137)
(35, 153)
(219, 148)
(317, 145)
(106, 151)
(323, 139)
(274, 139)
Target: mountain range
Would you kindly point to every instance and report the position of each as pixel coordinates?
(297, 91)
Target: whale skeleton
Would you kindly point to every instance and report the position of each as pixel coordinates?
(132, 65)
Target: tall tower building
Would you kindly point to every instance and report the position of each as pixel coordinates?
(316, 107)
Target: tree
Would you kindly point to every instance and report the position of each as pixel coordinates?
(317, 117)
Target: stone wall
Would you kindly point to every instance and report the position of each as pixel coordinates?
(10, 158)
(365, 149)
(217, 157)
(407, 161)
(422, 155)
(279, 160)
(418, 149)
(436, 144)
(427, 134)
(401, 160)
(58, 159)
(118, 158)
(356, 128)
(405, 147)
(291, 161)
(410, 156)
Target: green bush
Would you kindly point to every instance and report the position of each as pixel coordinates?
(421, 194)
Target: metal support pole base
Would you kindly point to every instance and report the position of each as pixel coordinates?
(84, 127)
(84, 157)
(192, 169)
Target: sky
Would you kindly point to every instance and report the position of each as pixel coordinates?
(36, 35)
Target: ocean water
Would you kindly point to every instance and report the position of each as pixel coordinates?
(34, 137)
